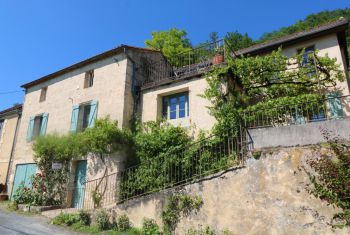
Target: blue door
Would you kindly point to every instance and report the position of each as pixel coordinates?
(22, 175)
(79, 184)
(335, 106)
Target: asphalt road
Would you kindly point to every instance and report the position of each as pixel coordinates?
(16, 224)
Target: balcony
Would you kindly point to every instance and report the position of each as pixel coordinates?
(185, 65)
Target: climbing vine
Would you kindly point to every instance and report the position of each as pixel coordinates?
(101, 140)
(274, 79)
(177, 206)
(332, 179)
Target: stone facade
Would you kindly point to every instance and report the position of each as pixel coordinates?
(112, 89)
(199, 115)
(268, 196)
(11, 120)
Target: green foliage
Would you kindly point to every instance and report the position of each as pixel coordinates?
(311, 21)
(12, 206)
(96, 198)
(167, 156)
(84, 217)
(101, 140)
(170, 42)
(273, 79)
(206, 231)
(157, 138)
(150, 227)
(332, 181)
(238, 41)
(66, 219)
(54, 148)
(102, 219)
(123, 223)
(106, 138)
(36, 195)
(176, 206)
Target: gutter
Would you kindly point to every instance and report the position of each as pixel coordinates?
(12, 149)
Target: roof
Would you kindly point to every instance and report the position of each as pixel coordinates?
(15, 109)
(88, 61)
(332, 27)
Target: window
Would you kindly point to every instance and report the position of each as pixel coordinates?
(43, 94)
(37, 126)
(89, 79)
(306, 56)
(176, 106)
(1, 127)
(83, 116)
(307, 60)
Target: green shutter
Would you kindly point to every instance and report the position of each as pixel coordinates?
(74, 119)
(44, 124)
(93, 113)
(335, 106)
(30, 129)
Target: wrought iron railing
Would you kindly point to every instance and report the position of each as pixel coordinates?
(188, 63)
(299, 113)
(181, 166)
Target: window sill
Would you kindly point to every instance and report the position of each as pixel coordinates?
(183, 122)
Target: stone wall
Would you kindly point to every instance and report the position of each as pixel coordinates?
(268, 196)
(293, 135)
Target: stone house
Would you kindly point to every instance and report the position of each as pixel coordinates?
(327, 39)
(10, 120)
(126, 80)
(70, 100)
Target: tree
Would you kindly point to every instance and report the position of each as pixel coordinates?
(169, 42)
(311, 21)
(238, 41)
(272, 78)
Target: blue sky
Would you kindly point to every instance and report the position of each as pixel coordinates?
(38, 37)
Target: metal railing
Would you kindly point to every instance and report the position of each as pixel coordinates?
(182, 166)
(191, 62)
(105, 187)
(298, 113)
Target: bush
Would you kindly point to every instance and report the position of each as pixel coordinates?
(66, 219)
(206, 231)
(102, 219)
(123, 223)
(36, 195)
(84, 217)
(150, 227)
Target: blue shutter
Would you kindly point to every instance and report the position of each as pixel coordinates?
(30, 129)
(335, 106)
(44, 124)
(93, 113)
(74, 119)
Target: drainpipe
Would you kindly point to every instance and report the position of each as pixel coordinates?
(12, 149)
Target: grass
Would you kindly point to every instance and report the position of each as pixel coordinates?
(78, 227)
(10, 207)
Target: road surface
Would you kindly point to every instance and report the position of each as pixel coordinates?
(16, 224)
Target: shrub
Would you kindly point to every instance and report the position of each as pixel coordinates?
(206, 231)
(22, 194)
(12, 206)
(123, 223)
(150, 227)
(36, 195)
(84, 217)
(66, 219)
(102, 219)
(178, 205)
